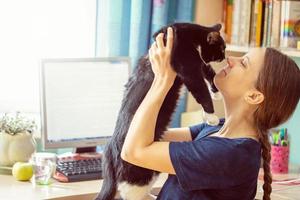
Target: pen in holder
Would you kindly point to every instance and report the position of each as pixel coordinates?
(279, 151)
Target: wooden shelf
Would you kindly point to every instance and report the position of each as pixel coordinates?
(245, 49)
(291, 52)
(238, 49)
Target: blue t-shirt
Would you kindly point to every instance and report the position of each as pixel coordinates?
(212, 168)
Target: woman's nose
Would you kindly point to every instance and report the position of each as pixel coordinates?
(230, 61)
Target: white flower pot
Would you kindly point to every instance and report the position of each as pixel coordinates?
(15, 148)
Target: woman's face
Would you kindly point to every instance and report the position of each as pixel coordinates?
(240, 74)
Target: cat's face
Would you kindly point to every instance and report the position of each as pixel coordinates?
(195, 44)
(214, 47)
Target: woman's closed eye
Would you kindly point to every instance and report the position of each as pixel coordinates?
(243, 64)
(246, 62)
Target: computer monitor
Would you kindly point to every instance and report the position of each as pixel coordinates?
(80, 100)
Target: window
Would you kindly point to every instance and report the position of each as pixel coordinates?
(36, 29)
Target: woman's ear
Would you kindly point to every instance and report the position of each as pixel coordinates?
(254, 97)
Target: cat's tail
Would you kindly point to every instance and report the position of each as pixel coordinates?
(109, 184)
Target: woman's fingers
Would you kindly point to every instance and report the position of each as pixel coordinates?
(159, 43)
(159, 40)
(153, 52)
(170, 38)
(159, 56)
(153, 46)
(150, 52)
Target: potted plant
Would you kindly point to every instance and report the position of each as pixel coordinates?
(16, 140)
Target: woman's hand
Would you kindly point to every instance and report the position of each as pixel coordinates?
(159, 56)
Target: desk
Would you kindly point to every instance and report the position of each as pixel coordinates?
(10, 189)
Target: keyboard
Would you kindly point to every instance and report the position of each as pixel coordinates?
(74, 169)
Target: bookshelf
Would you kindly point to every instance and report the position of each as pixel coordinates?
(213, 12)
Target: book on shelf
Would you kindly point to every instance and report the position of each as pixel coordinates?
(245, 26)
(269, 5)
(241, 22)
(253, 20)
(275, 27)
(228, 4)
(267, 23)
(256, 27)
(290, 20)
(236, 22)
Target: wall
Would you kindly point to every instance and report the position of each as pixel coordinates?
(208, 14)
(293, 127)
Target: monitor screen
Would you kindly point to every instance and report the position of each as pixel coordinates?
(80, 100)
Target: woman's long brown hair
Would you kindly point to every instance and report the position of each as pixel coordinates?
(279, 81)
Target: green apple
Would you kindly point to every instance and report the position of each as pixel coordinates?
(22, 171)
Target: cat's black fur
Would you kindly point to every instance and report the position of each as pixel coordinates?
(191, 71)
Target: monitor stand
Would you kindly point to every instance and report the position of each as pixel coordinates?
(85, 150)
(81, 153)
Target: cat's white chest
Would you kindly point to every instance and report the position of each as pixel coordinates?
(135, 192)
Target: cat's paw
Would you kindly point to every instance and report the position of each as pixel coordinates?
(216, 95)
(211, 119)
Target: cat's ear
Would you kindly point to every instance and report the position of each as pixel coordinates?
(213, 37)
(217, 27)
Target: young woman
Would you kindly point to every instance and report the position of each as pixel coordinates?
(260, 91)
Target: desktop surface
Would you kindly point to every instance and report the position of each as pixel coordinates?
(12, 189)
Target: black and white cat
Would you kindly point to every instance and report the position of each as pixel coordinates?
(193, 47)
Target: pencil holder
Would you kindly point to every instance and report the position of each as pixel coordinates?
(280, 159)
